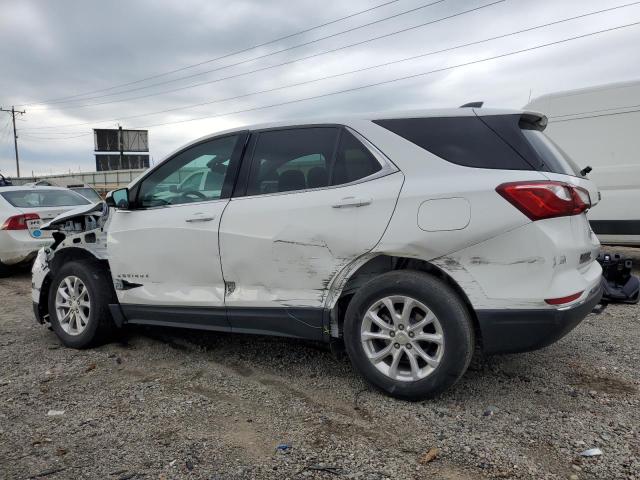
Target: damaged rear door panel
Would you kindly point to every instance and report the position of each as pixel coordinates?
(284, 250)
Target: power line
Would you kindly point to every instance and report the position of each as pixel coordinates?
(293, 47)
(362, 42)
(393, 62)
(26, 132)
(407, 77)
(4, 131)
(386, 82)
(237, 52)
(209, 82)
(30, 137)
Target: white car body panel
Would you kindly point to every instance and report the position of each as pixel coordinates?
(171, 251)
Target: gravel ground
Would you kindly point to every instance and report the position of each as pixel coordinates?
(179, 404)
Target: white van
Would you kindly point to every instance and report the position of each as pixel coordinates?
(600, 127)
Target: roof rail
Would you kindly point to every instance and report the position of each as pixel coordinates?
(472, 105)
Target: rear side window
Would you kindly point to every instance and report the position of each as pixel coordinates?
(303, 158)
(465, 141)
(353, 161)
(291, 159)
(44, 198)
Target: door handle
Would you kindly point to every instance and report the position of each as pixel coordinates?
(199, 219)
(352, 202)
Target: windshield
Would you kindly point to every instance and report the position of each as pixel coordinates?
(44, 198)
(89, 193)
(551, 154)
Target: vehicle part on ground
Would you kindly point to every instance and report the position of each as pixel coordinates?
(619, 285)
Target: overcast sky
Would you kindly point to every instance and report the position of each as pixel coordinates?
(52, 50)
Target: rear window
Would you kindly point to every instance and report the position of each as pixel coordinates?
(492, 141)
(465, 141)
(551, 154)
(44, 198)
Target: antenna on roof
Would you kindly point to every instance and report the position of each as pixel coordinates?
(472, 105)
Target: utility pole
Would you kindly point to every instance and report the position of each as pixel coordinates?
(13, 112)
(120, 147)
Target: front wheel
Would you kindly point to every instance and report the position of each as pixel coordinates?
(79, 304)
(409, 334)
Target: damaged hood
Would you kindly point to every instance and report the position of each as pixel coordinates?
(99, 208)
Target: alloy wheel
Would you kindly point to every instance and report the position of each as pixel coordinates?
(73, 305)
(402, 338)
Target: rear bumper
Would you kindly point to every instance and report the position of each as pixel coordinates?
(511, 331)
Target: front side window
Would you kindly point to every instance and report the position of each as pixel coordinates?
(306, 158)
(180, 180)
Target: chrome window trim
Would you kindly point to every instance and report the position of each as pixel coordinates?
(157, 207)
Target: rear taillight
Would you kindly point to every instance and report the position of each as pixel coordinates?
(19, 222)
(545, 199)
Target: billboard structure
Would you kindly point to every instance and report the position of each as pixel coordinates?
(119, 149)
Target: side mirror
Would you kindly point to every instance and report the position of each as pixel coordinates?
(173, 188)
(118, 199)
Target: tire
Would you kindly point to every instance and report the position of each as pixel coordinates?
(93, 324)
(438, 325)
(5, 270)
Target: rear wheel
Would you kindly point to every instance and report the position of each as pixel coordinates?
(79, 300)
(409, 334)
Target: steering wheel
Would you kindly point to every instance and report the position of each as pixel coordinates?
(195, 193)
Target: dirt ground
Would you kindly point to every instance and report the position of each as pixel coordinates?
(180, 404)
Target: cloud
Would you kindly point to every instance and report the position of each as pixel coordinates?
(58, 49)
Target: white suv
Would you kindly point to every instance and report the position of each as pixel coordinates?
(411, 238)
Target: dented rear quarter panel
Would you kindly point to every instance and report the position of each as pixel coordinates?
(500, 258)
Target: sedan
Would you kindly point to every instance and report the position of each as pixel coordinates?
(22, 211)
